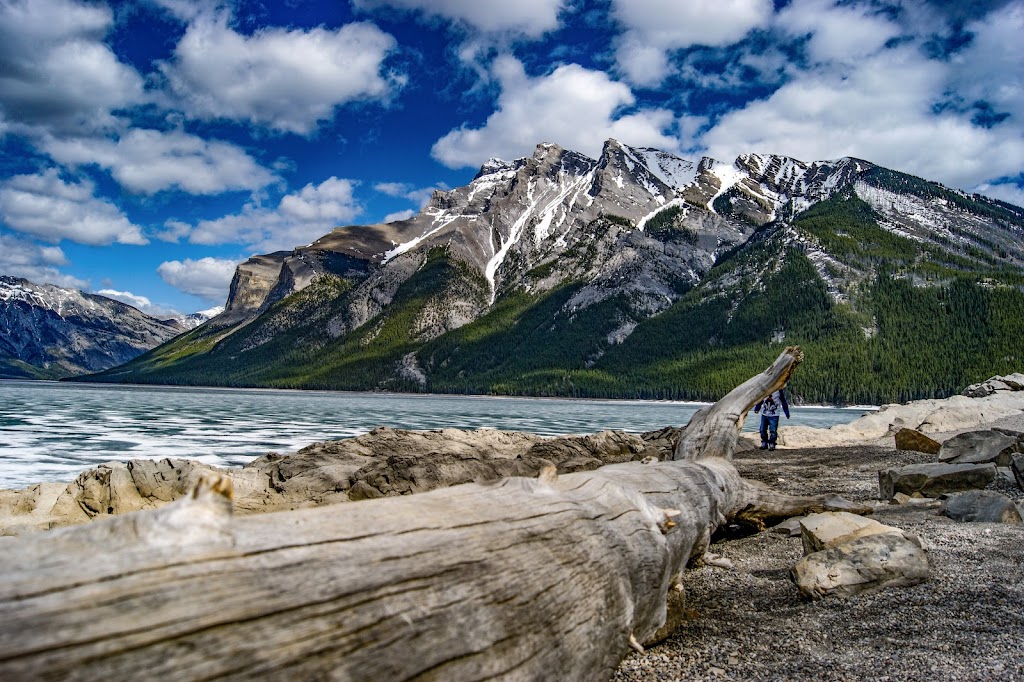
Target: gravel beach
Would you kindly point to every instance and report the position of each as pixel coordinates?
(750, 623)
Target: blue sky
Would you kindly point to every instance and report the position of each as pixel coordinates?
(147, 147)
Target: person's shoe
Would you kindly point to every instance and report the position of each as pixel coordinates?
(771, 447)
(764, 446)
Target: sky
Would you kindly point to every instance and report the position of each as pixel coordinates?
(147, 147)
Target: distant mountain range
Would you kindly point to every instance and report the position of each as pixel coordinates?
(49, 332)
(637, 274)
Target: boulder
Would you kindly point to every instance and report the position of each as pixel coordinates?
(830, 529)
(1017, 467)
(866, 564)
(979, 447)
(911, 439)
(986, 506)
(933, 480)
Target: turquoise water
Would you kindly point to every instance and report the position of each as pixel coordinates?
(52, 431)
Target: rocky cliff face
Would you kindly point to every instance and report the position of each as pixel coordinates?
(543, 266)
(50, 332)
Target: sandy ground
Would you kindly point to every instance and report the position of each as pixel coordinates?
(749, 622)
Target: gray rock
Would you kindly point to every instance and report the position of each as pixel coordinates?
(933, 480)
(1017, 467)
(789, 527)
(979, 447)
(985, 506)
(864, 565)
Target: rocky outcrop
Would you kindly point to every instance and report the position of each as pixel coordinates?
(933, 480)
(933, 416)
(1012, 382)
(986, 506)
(381, 463)
(1017, 467)
(847, 555)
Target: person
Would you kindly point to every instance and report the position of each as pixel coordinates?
(769, 410)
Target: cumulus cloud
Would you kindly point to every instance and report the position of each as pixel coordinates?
(149, 161)
(46, 206)
(399, 215)
(573, 106)
(836, 33)
(886, 104)
(282, 79)
(55, 70)
(142, 303)
(528, 17)
(38, 264)
(655, 27)
(989, 69)
(402, 190)
(298, 219)
(208, 278)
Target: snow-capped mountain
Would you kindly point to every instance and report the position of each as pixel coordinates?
(52, 332)
(193, 320)
(548, 264)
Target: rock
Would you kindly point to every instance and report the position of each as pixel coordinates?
(979, 447)
(830, 529)
(910, 439)
(1012, 382)
(383, 462)
(790, 527)
(38, 507)
(982, 505)
(932, 480)
(1017, 467)
(956, 413)
(900, 498)
(864, 565)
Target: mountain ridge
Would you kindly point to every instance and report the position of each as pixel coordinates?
(584, 252)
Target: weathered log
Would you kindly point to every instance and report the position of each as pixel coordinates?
(548, 578)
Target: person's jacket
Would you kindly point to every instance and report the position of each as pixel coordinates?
(772, 403)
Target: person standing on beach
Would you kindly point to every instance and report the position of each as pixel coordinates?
(769, 410)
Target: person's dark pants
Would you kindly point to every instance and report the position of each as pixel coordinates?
(769, 431)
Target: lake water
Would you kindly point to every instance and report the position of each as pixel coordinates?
(52, 431)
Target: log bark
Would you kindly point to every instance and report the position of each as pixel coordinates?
(547, 578)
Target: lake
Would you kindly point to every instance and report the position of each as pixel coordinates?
(52, 431)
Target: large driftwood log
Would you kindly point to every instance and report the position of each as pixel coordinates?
(548, 578)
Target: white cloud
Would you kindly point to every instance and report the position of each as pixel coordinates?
(150, 161)
(282, 79)
(187, 10)
(843, 34)
(38, 264)
(56, 72)
(572, 106)
(140, 302)
(419, 195)
(528, 17)
(299, 219)
(879, 103)
(991, 68)
(51, 209)
(655, 27)
(208, 278)
(399, 215)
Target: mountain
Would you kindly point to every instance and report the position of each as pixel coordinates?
(48, 332)
(193, 320)
(637, 274)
